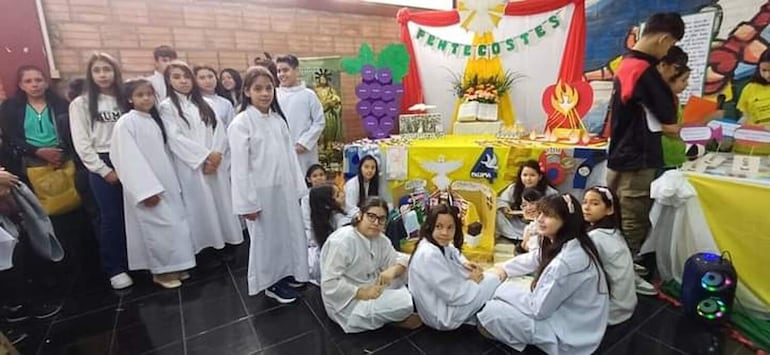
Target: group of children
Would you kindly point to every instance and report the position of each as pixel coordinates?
(181, 162)
(583, 270)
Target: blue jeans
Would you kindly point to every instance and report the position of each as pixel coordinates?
(112, 231)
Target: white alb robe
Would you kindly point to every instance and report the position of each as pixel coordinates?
(566, 313)
(222, 108)
(158, 84)
(157, 238)
(313, 249)
(305, 115)
(349, 261)
(512, 227)
(617, 260)
(351, 193)
(266, 179)
(444, 295)
(207, 197)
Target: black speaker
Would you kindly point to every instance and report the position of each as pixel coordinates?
(708, 287)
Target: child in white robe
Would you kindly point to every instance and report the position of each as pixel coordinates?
(198, 142)
(267, 187)
(529, 199)
(366, 183)
(510, 222)
(212, 91)
(358, 267)
(565, 310)
(303, 110)
(602, 214)
(447, 289)
(157, 232)
(323, 213)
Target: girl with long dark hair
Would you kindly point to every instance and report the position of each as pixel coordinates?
(93, 116)
(565, 309)
(447, 289)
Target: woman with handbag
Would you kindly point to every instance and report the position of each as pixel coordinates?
(36, 132)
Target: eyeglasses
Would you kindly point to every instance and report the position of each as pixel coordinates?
(374, 218)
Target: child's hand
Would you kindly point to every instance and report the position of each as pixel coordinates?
(215, 158)
(112, 178)
(369, 292)
(386, 277)
(209, 168)
(497, 270)
(151, 201)
(476, 275)
(471, 266)
(251, 216)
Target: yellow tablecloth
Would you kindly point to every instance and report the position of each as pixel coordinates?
(737, 213)
(468, 149)
(426, 157)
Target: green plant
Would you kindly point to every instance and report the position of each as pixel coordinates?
(483, 89)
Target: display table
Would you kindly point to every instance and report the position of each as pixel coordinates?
(710, 211)
(477, 168)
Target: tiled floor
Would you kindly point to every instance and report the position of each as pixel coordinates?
(212, 314)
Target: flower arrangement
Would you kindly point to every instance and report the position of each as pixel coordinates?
(484, 90)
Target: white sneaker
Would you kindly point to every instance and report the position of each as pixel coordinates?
(640, 270)
(121, 281)
(645, 288)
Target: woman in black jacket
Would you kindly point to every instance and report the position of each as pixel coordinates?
(50, 141)
(36, 132)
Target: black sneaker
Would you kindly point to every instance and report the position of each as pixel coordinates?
(45, 311)
(14, 314)
(292, 282)
(281, 294)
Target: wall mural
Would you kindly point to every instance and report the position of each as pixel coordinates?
(737, 44)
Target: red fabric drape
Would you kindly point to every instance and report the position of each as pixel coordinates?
(573, 57)
(412, 85)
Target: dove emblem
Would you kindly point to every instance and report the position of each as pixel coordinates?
(442, 169)
(486, 166)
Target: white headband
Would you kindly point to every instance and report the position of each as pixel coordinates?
(607, 193)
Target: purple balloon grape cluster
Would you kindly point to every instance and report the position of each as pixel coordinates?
(379, 101)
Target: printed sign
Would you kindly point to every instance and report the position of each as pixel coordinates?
(696, 134)
(752, 136)
(486, 166)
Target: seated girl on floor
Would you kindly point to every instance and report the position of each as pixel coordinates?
(324, 212)
(602, 215)
(565, 309)
(510, 223)
(447, 289)
(359, 272)
(530, 240)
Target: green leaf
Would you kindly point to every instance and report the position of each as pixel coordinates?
(366, 54)
(351, 65)
(395, 57)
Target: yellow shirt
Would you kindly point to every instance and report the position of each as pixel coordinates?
(755, 102)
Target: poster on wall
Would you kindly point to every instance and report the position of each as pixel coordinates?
(322, 75)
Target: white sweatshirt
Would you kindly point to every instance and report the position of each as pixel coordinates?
(619, 265)
(93, 136)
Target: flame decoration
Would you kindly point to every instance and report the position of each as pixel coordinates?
(565, 101)
(481, 16)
